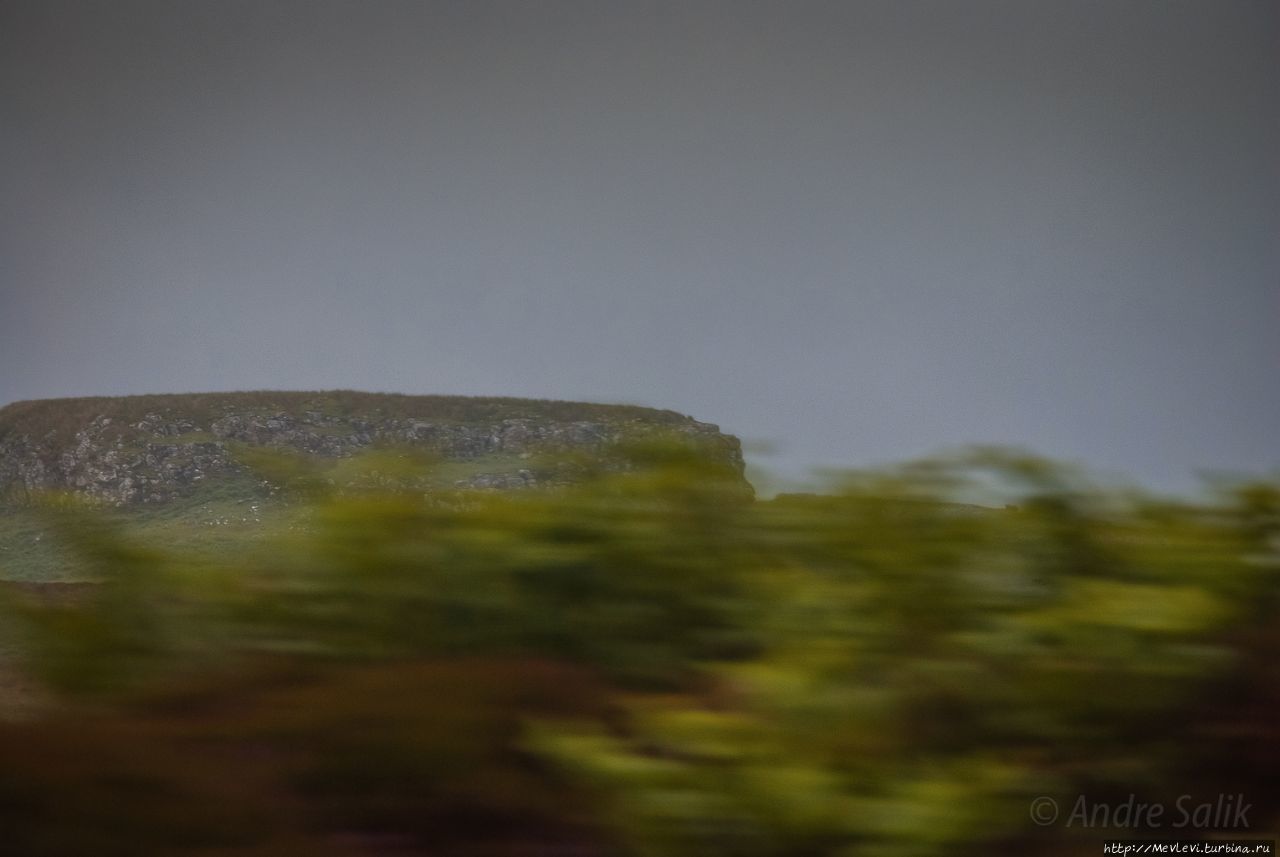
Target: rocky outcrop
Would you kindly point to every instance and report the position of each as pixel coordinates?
(119, 457)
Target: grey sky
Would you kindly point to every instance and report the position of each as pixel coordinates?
(861, 230)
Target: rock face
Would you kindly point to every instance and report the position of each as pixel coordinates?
(152, 449)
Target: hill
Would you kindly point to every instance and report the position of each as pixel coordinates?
(181, 462)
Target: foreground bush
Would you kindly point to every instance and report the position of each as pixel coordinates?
(650, 664)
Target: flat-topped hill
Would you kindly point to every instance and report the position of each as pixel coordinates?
(156, 448)
(177, 468)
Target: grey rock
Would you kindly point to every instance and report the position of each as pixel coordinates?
(162, 457)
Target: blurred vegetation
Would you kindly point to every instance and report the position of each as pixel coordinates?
(649, 663)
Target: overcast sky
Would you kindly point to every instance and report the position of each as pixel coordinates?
(862, 231)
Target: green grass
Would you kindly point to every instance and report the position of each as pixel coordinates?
(30, 549)
(446, 473)
(223, 519)
(223, 515)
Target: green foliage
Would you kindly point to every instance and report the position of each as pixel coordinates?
(650, 663)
